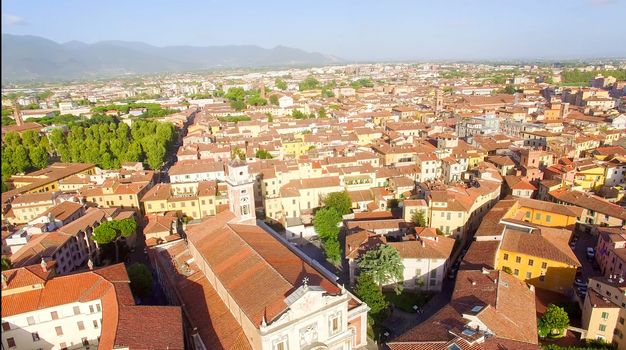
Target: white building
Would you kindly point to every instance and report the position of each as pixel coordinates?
(619, 122)
(285, 101)
(201, 170)
(79, 311)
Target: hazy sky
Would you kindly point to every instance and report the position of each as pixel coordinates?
(350, 29)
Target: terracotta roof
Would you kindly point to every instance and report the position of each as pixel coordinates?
(546, 245)
(500, 301)
(589, 201)
(246, 257)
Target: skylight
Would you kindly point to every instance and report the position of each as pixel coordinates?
(468, 332)
(453, 346)
(477, 308)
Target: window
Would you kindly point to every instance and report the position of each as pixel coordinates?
(528, 214)
(602, 328)
(516, 272)
(506, 256)
(605, 315)
(282, 345)
(162, 205)
(149, 206)
(548, 218)
(530, 262)
(76, 310)
(335, 323)
(95, 324)
(81, 325)
(91, 309)
(11, 342)
(55, 315)
(621, 320)
(537, 216)
(518, 259)
(98, 307)
(528, 275)
(544, 265)
(35, 336)
(59, 330)
(30, 320)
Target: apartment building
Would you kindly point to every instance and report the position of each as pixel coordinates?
(604, 310)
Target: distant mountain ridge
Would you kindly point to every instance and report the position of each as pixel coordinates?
(28, 58)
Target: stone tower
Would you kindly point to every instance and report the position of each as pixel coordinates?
(438, 102)
(240, 190)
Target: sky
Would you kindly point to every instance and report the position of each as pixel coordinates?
(350, 29)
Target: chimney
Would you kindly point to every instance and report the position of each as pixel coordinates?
(43, 265)
(423, 243)
(473, 283)
(531, 287)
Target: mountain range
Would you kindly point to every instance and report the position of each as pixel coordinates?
(33, 58)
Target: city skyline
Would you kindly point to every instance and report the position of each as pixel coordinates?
(365, 31)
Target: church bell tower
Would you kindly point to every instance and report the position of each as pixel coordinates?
(240, 190)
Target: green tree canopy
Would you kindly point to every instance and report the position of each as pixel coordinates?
(235, 94)
(340, 201)
(554, 320)
(368, 291)
(384, 264)
(273, 100)
(140, 279)
(263, 154)
(6, 263)
(418, 218)
(280, 84)
(309, 83)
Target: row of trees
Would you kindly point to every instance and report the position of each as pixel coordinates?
(24, 153)
(106, 145)
(576, 76)
(153, 110)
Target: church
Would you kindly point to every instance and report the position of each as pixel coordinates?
(243, 286)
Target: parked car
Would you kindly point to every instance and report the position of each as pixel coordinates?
(590, 252)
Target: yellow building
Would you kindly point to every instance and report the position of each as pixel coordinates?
(547, 213)
(590, 177)
(541, 257)
(295, 146)
(47, 179)
(194, 200)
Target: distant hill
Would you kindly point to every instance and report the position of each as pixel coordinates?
(28, 58)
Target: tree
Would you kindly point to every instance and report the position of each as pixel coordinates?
(384, 264)
(6, 263)
(273, 100)
(263, 154)
(325, 223)
(237, 105)
(140, 279)
(553, 321)
(110, 232)
(235, 94)
(20, 159)
(309, 83)
(509, 89)
(340, 201)
(280, 84)
(368, 291)
(38, 157)
(256, 101)
(418, 219)
(322, 113)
